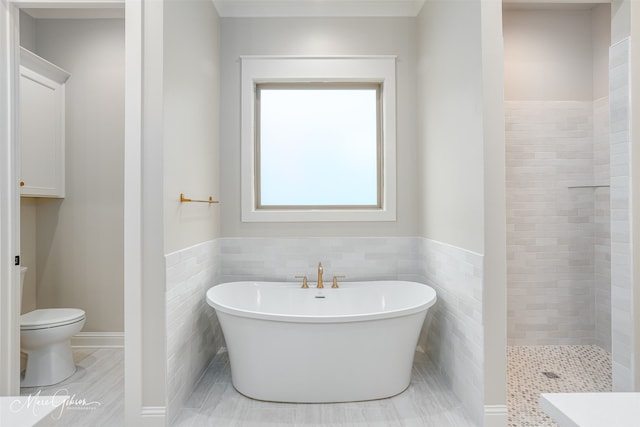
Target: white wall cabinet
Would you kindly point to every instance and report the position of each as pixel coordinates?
(42, 126)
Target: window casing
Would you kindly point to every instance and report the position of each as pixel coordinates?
(318, 76)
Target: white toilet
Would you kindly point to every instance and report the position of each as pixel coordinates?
(45, 336)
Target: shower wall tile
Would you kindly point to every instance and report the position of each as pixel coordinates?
(621, 275)
(602, 224)
(550, 231)
(193, 332)
(453, 336)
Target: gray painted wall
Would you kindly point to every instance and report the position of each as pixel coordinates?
(319, 36)
(191, 122)
(79, 239)
(450, 125)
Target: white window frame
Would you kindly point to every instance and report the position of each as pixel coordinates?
(270, 69)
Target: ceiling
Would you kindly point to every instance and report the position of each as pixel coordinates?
(256, 8)
(273, 8)
(299, 8)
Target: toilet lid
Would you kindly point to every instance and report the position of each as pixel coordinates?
(50, 317)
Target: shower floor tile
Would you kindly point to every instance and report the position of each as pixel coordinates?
(532, 370)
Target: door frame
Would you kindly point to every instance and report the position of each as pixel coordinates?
(9, 205)
(10, 195)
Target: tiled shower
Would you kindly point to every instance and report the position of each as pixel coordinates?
(557, 218)
(559, 251)
(561, 240)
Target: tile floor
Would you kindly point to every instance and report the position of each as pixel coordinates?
(532, 370)
(427, 402)
(99, 378)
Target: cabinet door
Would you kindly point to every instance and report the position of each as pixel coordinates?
(41, 135)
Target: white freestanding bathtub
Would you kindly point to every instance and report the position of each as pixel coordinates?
(288, 344)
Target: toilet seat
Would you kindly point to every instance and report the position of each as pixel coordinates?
(50, 318)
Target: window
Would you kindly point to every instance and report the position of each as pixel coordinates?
(318, 139)
(318, 146)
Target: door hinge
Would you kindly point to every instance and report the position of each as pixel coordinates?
(17, 260)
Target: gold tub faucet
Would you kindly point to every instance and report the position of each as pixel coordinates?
(305, 285)
(320, 271)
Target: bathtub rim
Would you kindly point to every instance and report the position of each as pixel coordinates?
(343, 318)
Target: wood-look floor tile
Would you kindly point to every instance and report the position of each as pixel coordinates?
(427, 401)
(318, 414)
(99, 378)
(372, 417)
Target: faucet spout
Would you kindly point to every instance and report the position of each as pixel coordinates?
(320, 271)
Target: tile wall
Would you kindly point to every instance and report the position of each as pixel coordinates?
(193, 332)
(453, 335)
(621, 283)
(556, 235)
(602, 224)
(280, 259)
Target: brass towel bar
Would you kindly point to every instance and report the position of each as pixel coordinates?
(185, 200)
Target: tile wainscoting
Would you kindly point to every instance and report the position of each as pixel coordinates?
(280, 259)
(452, 338)
(193, 332)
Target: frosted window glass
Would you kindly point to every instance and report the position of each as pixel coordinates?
(318, 146)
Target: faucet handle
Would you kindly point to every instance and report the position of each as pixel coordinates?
(304, 281)
(335, 281)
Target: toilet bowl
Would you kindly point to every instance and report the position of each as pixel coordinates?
(45, 337)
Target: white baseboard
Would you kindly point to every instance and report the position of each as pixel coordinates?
(495, 416)
(98, 340)
(153, 416)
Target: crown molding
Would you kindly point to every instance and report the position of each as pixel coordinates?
(65, 4)
(314, 8)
